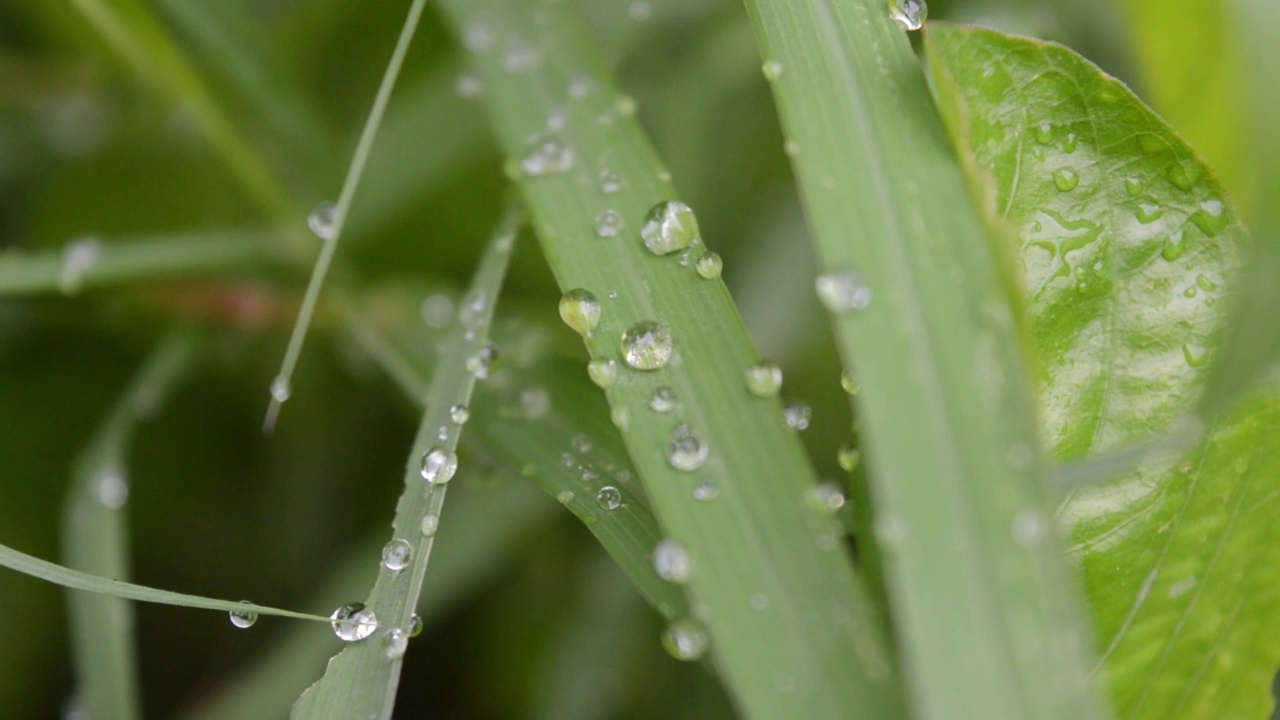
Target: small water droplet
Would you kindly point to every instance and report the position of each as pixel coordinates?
(706, 491)
(459, 414)
(1133, 186)
(668, 227)
(609, 497)
(78, 257)
(759, 601)
(847, 382)
(1180, 176)
(1149, 213)
(1211, 217)
(646, 345)
(625, 105)
(323, 219)
(909, 14)
(827, 498)
(709, 265)
(484, 363)
(112, 488)
(1044, 133)
(603, 372)
(772, 70)
(1028, 528)
(243, 618)
(611, 181)
(415, 625)
(671, 562)
(535, 403)
(1196, 357)
(439, 465)
(353, 621)
(1069, 146)
(1190, 292)
(640, 10)
(468, 85)
(430, 524)
(621, 417)
(764, 380)
(580, 310)
(1205, 283)
(564, 497)
(608, 224)
(546, 154)
(397, 643)
(520, 57)
(280, 390)
(477, 38)
(396, 555)
(848, 457)
(1174, 246)
(797, 414)
(687, 451)
(791, 147)
(437, 310)
(842, 292)
(1065, 179)
(581, 443)
(685, 640)
(662, 400)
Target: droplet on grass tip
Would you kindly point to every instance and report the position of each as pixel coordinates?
(764, 380)
(668, 227)
(646, 345)
(909, 14)
(397, 554)
(580, 310)
(243, 618)
(842, 291)
(439, 465)
(686, 452)
(671, 562)
(323, 219)
(353, 621)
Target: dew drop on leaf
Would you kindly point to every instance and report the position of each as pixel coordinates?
(439, 465)
(580, 310)
(646, 345)
(685, 640)
(772, 70)
(603, 372)
(397, 643)
(764, 380)
(662, 400)
(709, 265)
(909, 14)
(609, 498)
(322, 219)
(797, 414)
(608, 224)
(546, 154)
(686, 451)
(668, 227)
(671, 562)
(243, 618)
(842, 291)
(430, 524)
(78, 258)
(396, 555)
(353, 621)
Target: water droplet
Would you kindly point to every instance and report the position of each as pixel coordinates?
(671, 562)
(1190, 292)
(709, 265)
(477, 38)
(608, 224)
(397, 643)
(621, 417)
(640, 10)
(1028, 528)
(546, 154)
(764, 380)
(430, 524)
(78, 258)
(442, 433)
(603, 372)
(1044, 133)
(772, 70)
(1070, 145)
(243, 618)
(827, 498)
(847, 382)
(909, 14)
(1196, 357)
(1065, 179)
(396, 555)
(685, 640)
(565, 497)
(459, 414)
(609, 497)
(706, 491)
(611, 181)
(791, 147)
(580, 310)
(1149, 213)
(646, 345)
(113, 488)
(323, 219)
(1173, 248)
(1150, 144)
(535, 403)
(1133, 186)
(471, 308)
(485, 362)
(662, 400)
(1180, 176)
(668, 227)
(415, 625)
(848, 457)
(468, 85)
(842, 292)
(520, 57)
(686, 451)
(625, 105)
(353, 621)
(1211, 218)
(797, 414)
(280, 390)
(439, 465)
(437, 310)
(1205, 283)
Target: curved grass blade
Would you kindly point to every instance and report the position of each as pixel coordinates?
(818, 648)
(957, 483)
(361, 680)
(282, 383)
(90, 263)
(94, 540)
(1126, 266)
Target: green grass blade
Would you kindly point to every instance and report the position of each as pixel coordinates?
(957, 482)
(92, 263)
(94, 540)
(132, 30)
(1179, 575)
(364, 147)
(817, 649)
(361, 680)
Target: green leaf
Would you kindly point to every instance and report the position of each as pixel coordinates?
(817, 649)
(1125, 269)
(361, 680)
(981, 599)
(94, 540)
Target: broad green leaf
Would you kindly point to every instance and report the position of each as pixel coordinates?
(1127, 244)
(981, 599)
(361, 680)
(818, 648)
(95, 540)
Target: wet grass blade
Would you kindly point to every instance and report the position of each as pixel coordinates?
(95, 539)
(92, 263)
(925, 320)
(817, 648)
(361, 680)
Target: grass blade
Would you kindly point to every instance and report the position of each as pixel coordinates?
(94, 540)
(361, 680)
(937, 353)
(818, 648)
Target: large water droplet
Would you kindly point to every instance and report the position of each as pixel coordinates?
(430, 524)
(685, 641)
(603, 372)
(439, 465)
(671, 562)
(323, 219)
(842, 291)
(797, 414)
(608, 224)
(662, 400)
(646, 345)
(580, 310)
(459, 414)
(397, 554)
(909, 14)
(764, 380)
(709, 265)
(687, 451)
(353, 621)
(1065, 179)
(546, 154)
(243, 618)
(668, 227)
(78, 258)
(609, 497)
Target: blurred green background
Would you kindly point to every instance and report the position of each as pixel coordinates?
(93, 143)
